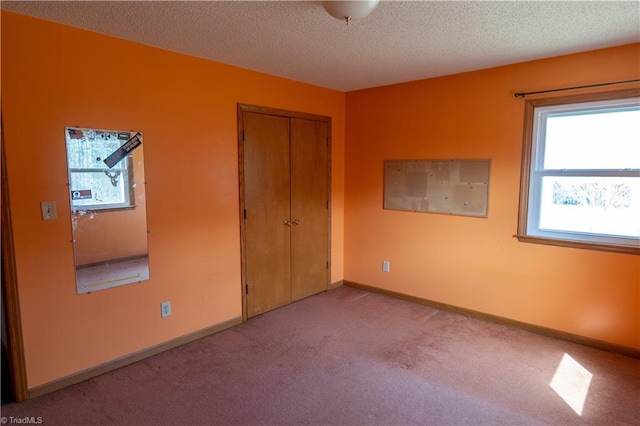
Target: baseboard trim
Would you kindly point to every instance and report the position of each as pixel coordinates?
(130, 359)
(333, 286)
(549, 332)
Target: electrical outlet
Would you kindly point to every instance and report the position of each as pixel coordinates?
(165, 309)
(385, 265)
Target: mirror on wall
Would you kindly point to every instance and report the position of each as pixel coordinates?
(108, 207)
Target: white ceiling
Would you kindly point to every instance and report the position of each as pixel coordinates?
(400, 41)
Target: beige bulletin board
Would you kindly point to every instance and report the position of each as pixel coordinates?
(458, 187)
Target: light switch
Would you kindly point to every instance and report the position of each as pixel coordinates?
(48, 210)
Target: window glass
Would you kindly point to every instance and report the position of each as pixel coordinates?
(602, 205)
(597, 139)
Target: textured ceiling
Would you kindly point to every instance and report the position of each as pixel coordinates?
(400, 41)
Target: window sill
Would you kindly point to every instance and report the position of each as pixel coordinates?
(578, 244)
(102, 210)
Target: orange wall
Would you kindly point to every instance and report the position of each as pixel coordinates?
(186, 109)
(470, 262)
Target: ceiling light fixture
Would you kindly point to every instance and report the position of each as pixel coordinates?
(348, 10)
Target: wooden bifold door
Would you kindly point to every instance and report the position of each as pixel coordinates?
(284, 202)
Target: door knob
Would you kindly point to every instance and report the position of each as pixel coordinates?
(295, 222)
(286, 223)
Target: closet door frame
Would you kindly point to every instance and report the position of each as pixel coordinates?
(247, 108)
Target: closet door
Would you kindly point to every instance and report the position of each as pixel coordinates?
(309, 207)
(267, 212)
(284, 194)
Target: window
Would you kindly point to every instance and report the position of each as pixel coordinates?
(93, 184)
(580, 183)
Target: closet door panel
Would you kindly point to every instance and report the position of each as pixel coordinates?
(309, 208)
(267, 203)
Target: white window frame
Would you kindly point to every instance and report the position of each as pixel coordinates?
(533, 172)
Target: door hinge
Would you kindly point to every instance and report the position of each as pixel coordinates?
(243, 135)
(246, 288)
(245, 213)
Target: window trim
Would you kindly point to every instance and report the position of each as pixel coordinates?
(528, 161)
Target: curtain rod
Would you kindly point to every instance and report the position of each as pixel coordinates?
(523, 94)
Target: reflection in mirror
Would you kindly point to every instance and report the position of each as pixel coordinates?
(108, 207)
